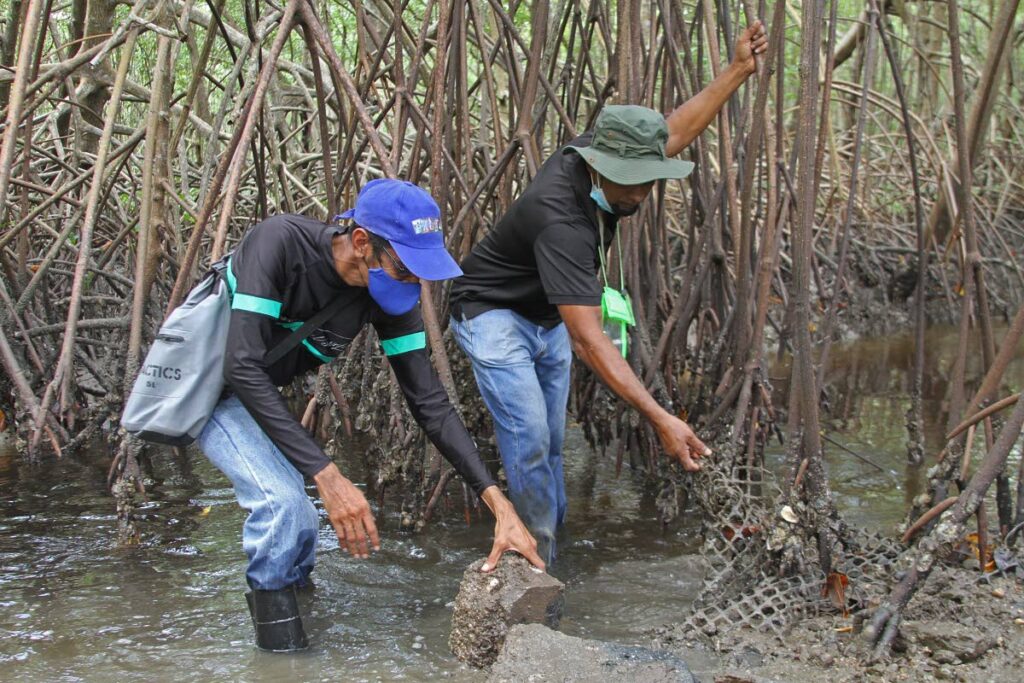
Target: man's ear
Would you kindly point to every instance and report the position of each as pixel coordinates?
(361, 242)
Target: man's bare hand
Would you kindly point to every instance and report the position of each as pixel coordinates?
(348, 511)
(681, 443)
(509, 532)
(753, 41)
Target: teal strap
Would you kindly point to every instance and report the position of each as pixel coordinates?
(256, 304)
(232, 282)
(248, 302)
(296, 324)
(410, 342)
(313, 350)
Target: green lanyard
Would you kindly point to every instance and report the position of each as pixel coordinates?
(616, 307)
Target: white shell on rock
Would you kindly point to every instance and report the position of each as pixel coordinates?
(787, 514)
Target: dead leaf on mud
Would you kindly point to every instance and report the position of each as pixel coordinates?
(971, 540)
(835, 590)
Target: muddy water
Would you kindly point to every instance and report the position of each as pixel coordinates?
(868, 384)
(73, 607)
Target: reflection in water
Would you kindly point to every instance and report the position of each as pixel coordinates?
(73, 607)
(867, 398)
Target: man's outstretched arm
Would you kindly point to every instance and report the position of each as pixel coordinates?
(694, 115)
(429, 404)
(594, 348)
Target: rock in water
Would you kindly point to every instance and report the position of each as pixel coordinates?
(489, 604)
(535, 653)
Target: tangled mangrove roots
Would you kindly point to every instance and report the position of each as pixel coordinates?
(873, 161)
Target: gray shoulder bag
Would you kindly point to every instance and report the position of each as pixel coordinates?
(182, 378)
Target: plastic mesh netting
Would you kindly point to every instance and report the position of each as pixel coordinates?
(762, 568)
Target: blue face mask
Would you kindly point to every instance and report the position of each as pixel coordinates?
(393, 297)
(597, 194)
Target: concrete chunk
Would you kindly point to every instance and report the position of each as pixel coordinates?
(537, 654)
(489, 604)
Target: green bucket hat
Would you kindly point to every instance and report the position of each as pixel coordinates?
(629, 146)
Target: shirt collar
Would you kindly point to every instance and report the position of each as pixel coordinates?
(579, 177)
(327, 250)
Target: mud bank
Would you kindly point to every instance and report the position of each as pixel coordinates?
(960, 627)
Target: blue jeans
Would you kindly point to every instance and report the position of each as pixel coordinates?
(522, 370)
(280, 532)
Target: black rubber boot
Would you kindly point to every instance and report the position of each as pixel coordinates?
(275, 615)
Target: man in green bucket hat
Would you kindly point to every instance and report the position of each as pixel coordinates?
(536, 288)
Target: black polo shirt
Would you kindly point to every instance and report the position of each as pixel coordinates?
(282, 274)
(543, 251)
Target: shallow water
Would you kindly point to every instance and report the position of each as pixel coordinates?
(868, 384)
(74, 607)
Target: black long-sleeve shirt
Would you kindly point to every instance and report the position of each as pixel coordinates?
(282, 274)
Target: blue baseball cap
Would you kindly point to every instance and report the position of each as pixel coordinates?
(409, 219)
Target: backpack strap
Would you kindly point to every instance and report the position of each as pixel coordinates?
(295, 338)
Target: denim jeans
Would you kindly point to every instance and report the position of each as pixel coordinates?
(280, 532)
(522, 370)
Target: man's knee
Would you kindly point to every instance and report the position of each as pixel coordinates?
(294, 511)
(529, 443)
(539, 441)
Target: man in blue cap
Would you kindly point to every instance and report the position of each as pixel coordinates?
(531, 292)
(286, 270)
